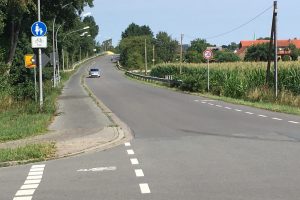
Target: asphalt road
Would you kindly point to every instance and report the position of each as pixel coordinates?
(185, 147)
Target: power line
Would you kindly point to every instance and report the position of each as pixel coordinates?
(240, 26)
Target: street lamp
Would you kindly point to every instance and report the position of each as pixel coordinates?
(84, 28)
(53, 45)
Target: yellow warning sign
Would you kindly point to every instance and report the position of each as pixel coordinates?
(30, 61)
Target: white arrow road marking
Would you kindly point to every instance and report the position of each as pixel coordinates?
(98, 169)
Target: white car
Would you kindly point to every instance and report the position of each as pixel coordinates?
(94, 72)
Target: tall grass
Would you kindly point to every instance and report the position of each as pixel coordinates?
(241, 80)
(22, 119)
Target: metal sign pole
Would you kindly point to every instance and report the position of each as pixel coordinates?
(35, 85)
(40, 61)
(208, 75)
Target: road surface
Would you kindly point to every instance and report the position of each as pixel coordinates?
(184, 147)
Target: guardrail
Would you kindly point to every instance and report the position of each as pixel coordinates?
(152, 79)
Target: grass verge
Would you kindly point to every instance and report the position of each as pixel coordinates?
(262, 105)
(29, 153)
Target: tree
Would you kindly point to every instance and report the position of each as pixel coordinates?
(130, 48)
(166, 47)
(232, 46)
(194, 53)
(295, 53)
(226, 56)
(258, 53)
(136, 30)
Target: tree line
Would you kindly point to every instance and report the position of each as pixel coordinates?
(16, 18)
(166, 49)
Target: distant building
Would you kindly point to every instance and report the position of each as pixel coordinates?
(283, 46)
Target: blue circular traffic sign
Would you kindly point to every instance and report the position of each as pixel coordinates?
(39, 29)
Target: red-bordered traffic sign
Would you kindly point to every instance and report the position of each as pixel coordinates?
(208, 54)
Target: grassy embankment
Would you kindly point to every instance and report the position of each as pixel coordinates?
(23, 119)
(239, 83)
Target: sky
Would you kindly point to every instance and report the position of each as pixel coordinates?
(197, 18)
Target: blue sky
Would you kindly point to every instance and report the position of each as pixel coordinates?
(196, 18)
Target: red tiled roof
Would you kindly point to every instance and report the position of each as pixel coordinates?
(281, 43)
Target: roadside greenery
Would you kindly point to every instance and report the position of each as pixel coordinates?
(22, 119)
(132, 47)
(34, 152)
(244, 81)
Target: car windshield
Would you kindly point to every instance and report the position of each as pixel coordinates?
(94, 70)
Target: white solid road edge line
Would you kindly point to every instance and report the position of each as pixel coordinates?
(145, 188)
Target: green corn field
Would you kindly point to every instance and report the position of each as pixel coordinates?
(240, 80)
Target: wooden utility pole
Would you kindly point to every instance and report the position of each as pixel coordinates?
(276, 49)
(273, 44)
(146, 62)
(181, 53)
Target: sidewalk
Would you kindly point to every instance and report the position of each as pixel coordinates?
(83, 123)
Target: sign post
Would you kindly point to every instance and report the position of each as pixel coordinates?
(208, 54)
(39, 30)
(30, 62)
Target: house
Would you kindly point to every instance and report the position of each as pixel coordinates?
(283, 46)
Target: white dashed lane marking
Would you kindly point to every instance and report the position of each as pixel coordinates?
(249, 113)
(23, 198)
(29, 186)
(139, 173)
(144, 188)
(134, 161)
(130, 152)
(264, 116)
(127, 144)
(31, 183)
